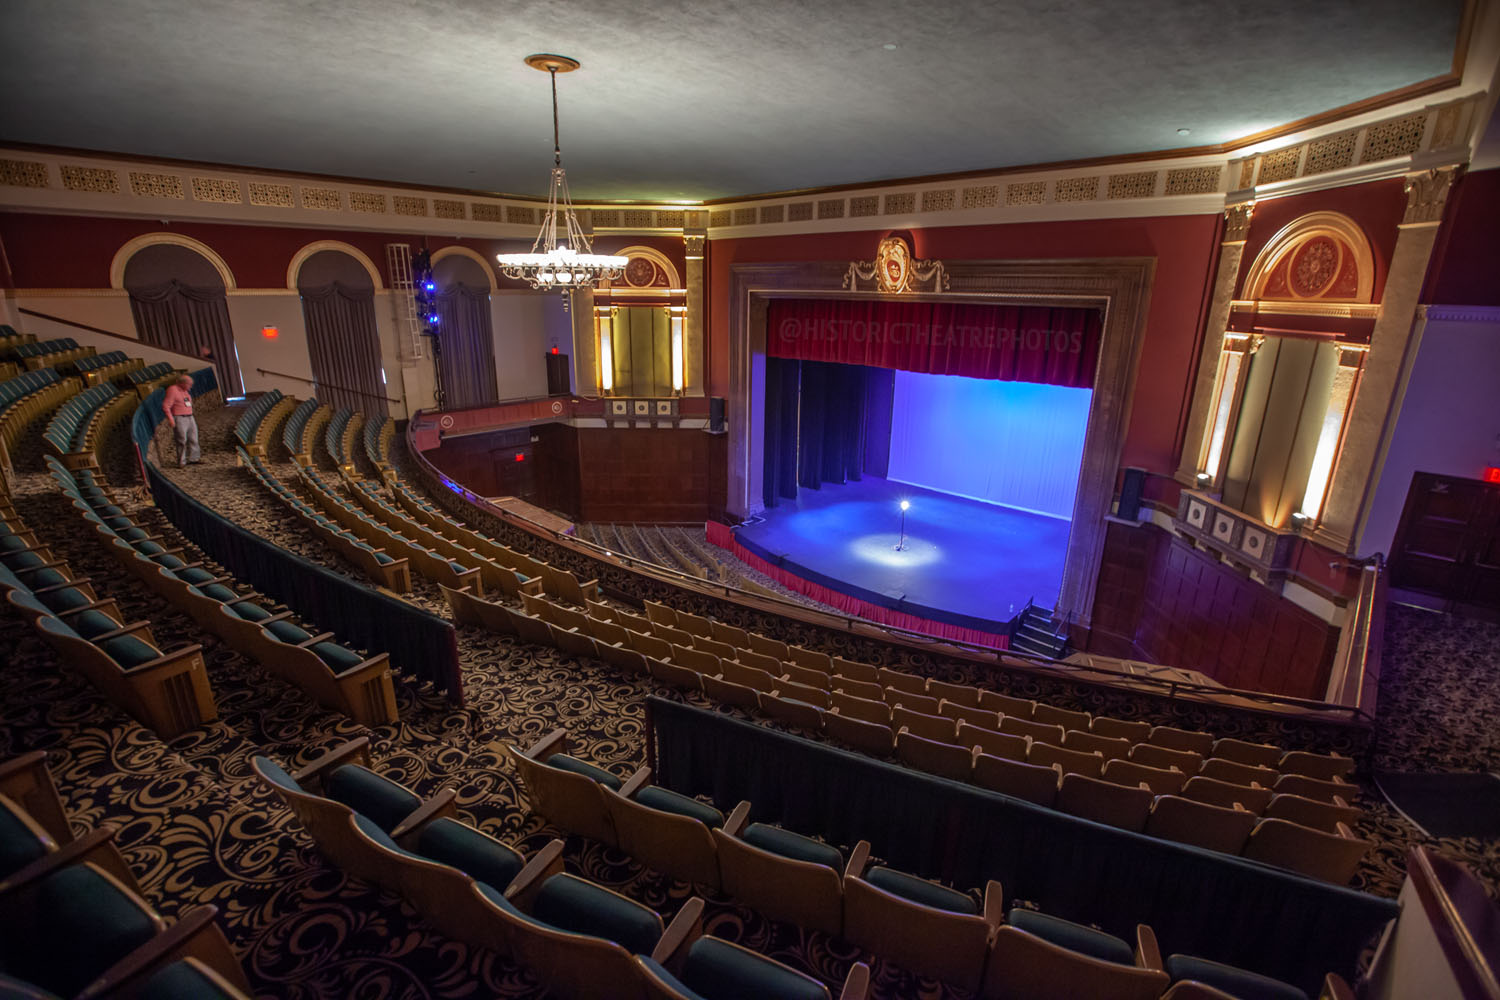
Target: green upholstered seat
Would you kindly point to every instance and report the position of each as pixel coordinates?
(792, 845)
(19, 844)
(170, 562)
(1238, 983)
(22, 560)
(1074, 937)
(13, 543)
(180, 981)
(46, 578)
(572, 904)
(717, 970)
(195, 575)
(276, 773)
(149, 548)
(128, 651)
(667, 800)
(133, 534)
(287, 632)
(919, 890)
(567, 762)
(107, 510)
(366, 792)
(65, 599)
(218, 592)
(371, 829)
(337, 657)
(458, 567)
(250, 611)
(81, 924)
(383, 559)
(92, 623)
(678, 987)
(479, 856)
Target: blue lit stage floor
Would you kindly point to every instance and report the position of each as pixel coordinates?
(965, 563)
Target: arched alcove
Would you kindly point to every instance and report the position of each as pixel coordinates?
(464, 348)
(1324, 256)
(338, 306)
(177, 299)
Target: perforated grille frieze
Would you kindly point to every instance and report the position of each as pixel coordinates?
(268, 195)
(1332, 152)
(521, 215)
(900, 204)
(864, 206)
(447, 208)
(1076, 189)
(1193, 180)
(322, 199)
(1026, 193)
(1137, 184)
(744, 216)
(487, 212)
(984, 196)
(23, 173)
(404, 204)
(941, 200)
(96, 180)
(772, 213)
(1389, 140)
(1280, 165)
(149, 185)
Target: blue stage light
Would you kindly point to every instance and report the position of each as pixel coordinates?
(906, 505)
(430, 286)
(433, 319)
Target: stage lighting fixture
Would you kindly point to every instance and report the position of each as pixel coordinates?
(905, 506)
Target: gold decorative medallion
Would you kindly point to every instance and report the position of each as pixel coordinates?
(894, 271)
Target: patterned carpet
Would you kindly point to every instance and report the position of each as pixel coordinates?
(196, 827)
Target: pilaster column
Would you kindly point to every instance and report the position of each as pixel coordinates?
(693, 374)
(1236, 229)
(1392, 351)
(585, 342)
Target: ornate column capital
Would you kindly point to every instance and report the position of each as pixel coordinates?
(1426, 194)
(1237, 222)
(692, 244)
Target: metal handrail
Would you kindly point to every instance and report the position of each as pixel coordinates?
(1170, 689)
(331, 385)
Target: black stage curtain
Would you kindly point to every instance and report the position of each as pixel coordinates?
(189, 320)
(817, 424)
(466, 347)
(421, 645)
(344, 347)
(1280, 924)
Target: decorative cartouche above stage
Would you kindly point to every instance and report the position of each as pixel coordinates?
(894, 271)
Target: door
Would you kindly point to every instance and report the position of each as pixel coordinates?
(1448, 544)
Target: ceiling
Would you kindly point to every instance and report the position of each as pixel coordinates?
(683, 100)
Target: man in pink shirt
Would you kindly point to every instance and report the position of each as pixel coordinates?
(177, 405)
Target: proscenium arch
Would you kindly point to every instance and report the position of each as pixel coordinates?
(1120, 287)
(674, 278)
(300, 257)
(135, 246)
(476, 256)
(1335, 225)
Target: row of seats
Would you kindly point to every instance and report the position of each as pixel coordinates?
(260, 418)
(77, 424)
(74, 920)
(1200, 745)
(1302, 833)
(338, 437)
(533, 575)
(580, 939)
(389, 571)
(151, 374)
(302, 427)
(103, 367)
(165, 690)
(924, 926)
(378, 433)
(336, 676)
(46, 353)
(29, 394)
(433, 563)
(10, 337)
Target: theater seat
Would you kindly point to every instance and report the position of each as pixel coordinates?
(713, 969)
(1041, 957)
(666, 831)
(782, 874)
(567, 791)
(1228, 981)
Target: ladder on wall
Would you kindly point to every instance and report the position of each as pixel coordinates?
(404, 300)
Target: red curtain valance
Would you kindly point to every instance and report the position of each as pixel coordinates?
(1056, 346)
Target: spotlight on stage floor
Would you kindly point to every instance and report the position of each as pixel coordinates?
(905, 506)
(880, 549)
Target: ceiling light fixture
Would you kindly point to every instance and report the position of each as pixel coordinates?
(569, 262)
(1183, 131)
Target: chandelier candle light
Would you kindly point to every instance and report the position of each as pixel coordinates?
(570, 262)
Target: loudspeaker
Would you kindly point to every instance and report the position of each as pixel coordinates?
(716, 411)
(559, 375)
(1130, 494)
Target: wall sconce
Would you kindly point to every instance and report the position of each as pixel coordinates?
(603, 324)
(677, 364)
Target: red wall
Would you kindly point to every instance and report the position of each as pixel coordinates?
(64, 251)
(1166, 602)
(1185, 248)
(1377, 207)
(1465, 268)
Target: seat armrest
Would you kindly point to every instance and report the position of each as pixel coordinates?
(363, 664)
(857, 983)
(994, 904)
(314, 640)
(1147, 952)
(280, 616)
(440, 805)
(538, 869)
(253, 595)
(81, 581)
(155, 952)
(1334, 988)
(554, 742)
(130, 629)
(680, 934)
(107, 605)
(354, 750)
(1342, 829)
(859, 859)
(640, 779)
(31, 760)
(531, 585)
(738, 819)
(68, 854)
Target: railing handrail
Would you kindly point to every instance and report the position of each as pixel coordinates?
(1356, 666)
(331, 385)
(850, 623)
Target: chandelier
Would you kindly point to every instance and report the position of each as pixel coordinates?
(569, 262)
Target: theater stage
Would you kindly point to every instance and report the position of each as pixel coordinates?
(965, 563)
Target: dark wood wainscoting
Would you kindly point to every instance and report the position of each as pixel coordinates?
(1161, 600)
